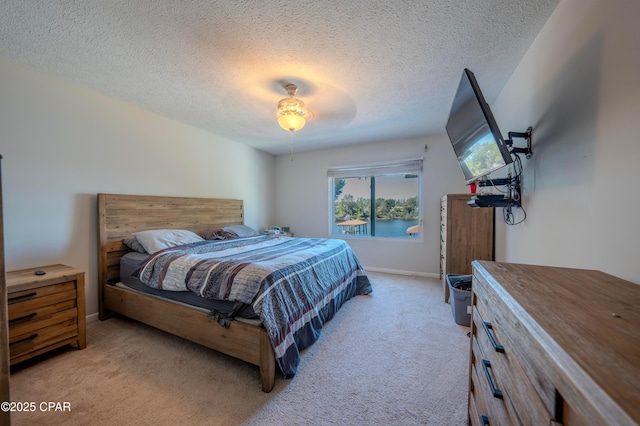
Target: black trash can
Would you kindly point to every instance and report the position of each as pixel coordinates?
(460, 298)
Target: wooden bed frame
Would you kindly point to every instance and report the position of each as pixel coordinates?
(119, 216)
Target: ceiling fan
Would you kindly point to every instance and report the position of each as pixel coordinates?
(292, 113)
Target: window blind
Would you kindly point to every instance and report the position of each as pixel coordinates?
(413, 165)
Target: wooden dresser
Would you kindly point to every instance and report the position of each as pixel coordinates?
(466, 234)
(45, 311)
(553, 346)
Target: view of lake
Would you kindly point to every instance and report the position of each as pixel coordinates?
(396, 228)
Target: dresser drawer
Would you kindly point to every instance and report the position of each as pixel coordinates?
(507, 330)
(521, 399)
(485, 387)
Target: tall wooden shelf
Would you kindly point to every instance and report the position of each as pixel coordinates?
(466, 234)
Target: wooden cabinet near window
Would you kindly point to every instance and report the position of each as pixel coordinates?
(45, 311)
(466, 234)
(553, 346)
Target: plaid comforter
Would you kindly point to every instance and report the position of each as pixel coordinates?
(295, 285)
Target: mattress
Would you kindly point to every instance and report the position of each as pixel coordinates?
(130, 262)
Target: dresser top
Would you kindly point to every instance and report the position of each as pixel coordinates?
(457, 196)
(588, 320)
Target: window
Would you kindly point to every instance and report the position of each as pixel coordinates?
(376, 200)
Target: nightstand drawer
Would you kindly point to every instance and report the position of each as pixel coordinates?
(21, 327)
(42, 338)
(27, 302)
(43, 311)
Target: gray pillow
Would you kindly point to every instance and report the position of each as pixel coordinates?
(134, 245)
(234, 231)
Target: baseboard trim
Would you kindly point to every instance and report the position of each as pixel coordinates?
(92, 317)
(402, 272)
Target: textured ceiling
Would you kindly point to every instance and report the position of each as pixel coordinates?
(368, 70)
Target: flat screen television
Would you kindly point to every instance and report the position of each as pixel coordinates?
(474, 133)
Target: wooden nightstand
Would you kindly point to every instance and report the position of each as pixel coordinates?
(45, 311)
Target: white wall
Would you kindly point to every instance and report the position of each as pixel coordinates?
(302, 195)
(61, 144)
(579, 87)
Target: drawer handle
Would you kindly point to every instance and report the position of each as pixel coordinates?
(26, 317)
(26, 339)
(484, 420)
(24, 296)
(488, 328)
(486, 365)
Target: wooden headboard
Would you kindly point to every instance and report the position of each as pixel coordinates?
(120, 215)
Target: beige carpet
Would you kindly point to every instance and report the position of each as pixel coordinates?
(395, 357)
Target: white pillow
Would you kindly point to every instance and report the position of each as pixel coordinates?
(159, 239)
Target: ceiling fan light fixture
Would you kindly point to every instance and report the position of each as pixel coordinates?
(292, 114)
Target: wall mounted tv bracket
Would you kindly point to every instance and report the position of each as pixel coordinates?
(528, 151)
